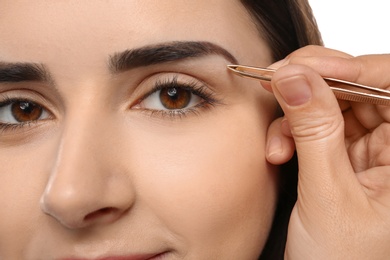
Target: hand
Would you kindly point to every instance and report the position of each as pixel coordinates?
(343, 206)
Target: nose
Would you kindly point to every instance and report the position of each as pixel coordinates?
(87, 185)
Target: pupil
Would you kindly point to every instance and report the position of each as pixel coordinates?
(26, 107)
(172, 92)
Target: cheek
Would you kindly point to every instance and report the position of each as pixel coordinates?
(22, 180)
(209, 181)
(205, 179)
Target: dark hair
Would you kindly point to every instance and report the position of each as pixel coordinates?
(286, 25)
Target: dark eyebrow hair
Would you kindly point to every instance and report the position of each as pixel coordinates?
(165, 52)
(20, 71)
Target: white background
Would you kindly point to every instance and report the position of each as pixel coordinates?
(354, 26)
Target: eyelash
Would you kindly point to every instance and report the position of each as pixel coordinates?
(195, 88)
(12, 127)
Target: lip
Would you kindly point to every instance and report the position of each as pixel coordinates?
(153, 256)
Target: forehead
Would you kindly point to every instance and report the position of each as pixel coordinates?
(35, 28)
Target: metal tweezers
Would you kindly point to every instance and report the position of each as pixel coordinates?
(342, 89)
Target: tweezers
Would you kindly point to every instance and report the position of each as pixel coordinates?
(342, 89)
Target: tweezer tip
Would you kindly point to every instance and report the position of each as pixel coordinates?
(235, 69)
(232, 67)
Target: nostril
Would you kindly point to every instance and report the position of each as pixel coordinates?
(100, 213)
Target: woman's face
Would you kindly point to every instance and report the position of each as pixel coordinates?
(123, 133)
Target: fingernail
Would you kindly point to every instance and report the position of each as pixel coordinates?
(295, 90)
(274, 146)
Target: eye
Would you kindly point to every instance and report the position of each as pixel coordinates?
(171, 98)
(21, 111)
(174, 97)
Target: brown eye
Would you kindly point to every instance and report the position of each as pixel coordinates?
(24, 111)
(172, 98)
(21, 111)
(175, 98)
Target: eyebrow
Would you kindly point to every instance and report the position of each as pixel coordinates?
(18, 72)
(122, 61)
(165, 52)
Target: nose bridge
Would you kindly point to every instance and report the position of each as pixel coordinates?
(81, 145)
(83, 187)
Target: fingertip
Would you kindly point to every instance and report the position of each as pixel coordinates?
(267, 86)
(279, 147)
(279, 150)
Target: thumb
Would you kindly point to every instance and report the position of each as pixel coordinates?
(317, 127)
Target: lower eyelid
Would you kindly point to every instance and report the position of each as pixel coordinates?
(176, 114)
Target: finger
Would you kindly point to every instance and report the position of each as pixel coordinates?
(310, 51)
(354, 131)
(377, 186)
(368, 149)
(280, 147)
(367, 114)
(312, 56)
(363, 70)
(317, 127)
(373, 72)
(317, 50)
(375, 175)
(367, 70)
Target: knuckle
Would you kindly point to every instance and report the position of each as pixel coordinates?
(309, 129)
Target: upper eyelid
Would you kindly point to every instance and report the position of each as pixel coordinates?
(35, 98)
(192, 84)
(174, 80)
(9, 101)
(36, 89)
(193, 70)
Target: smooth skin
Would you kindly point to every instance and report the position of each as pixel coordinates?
(102, 176)
(343, 207)
(105, 172)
